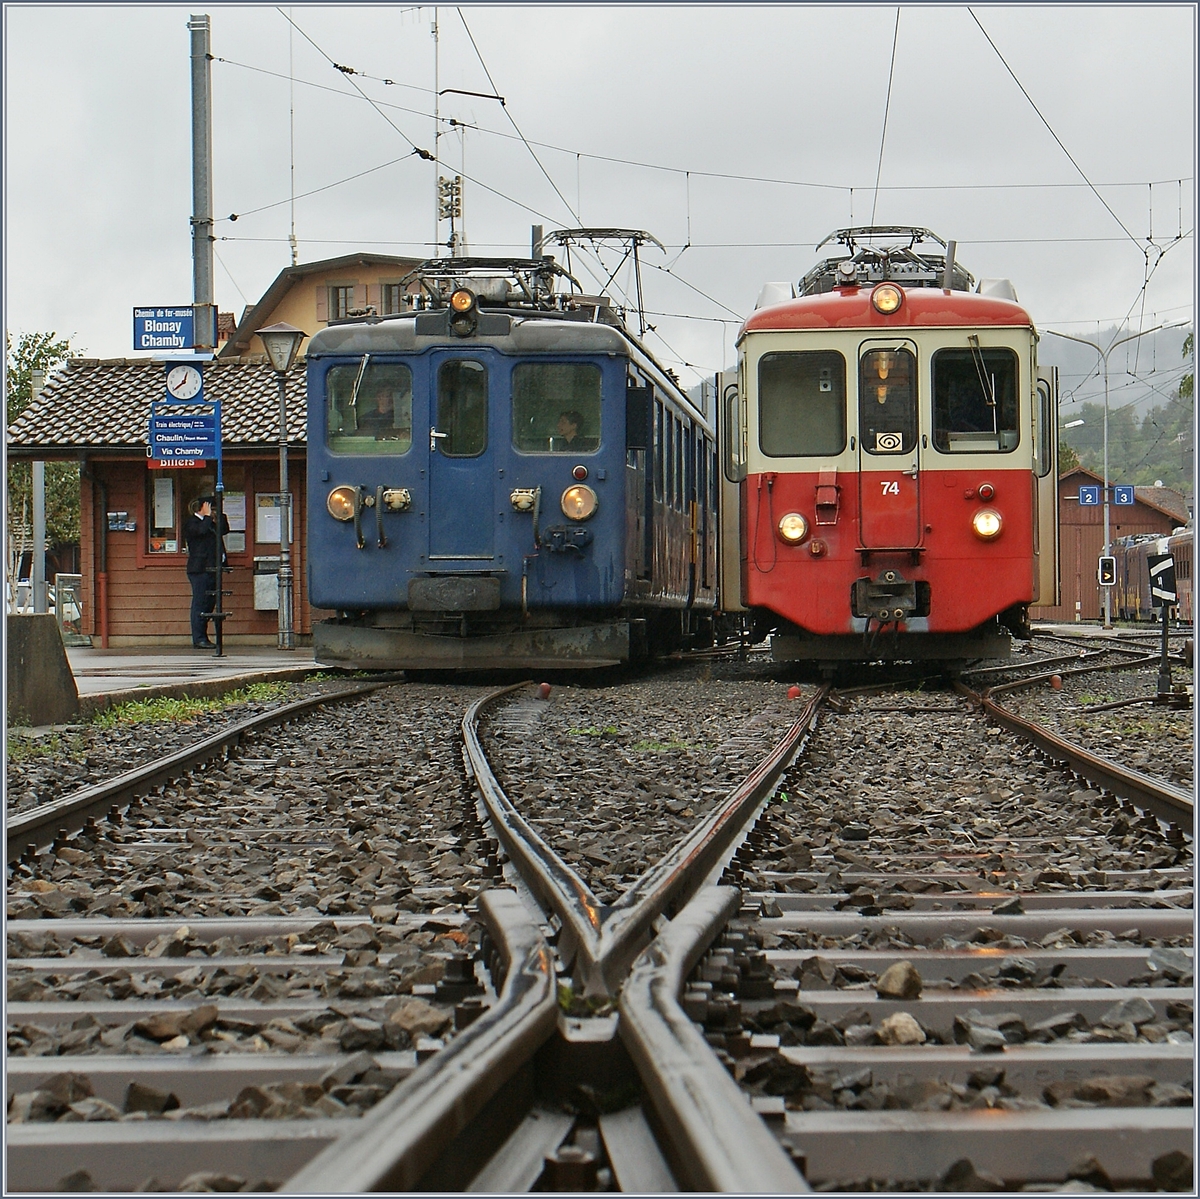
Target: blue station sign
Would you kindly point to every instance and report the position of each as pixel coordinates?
(1123, 495)
(1089, 497)
(163, 328)
(173, 437)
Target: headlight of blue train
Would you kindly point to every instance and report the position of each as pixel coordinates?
(579, 502)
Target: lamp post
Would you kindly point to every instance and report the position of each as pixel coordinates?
(1104, 362)
(282, 342)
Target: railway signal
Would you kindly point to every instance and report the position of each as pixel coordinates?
(1162, 595)
(1107, 571)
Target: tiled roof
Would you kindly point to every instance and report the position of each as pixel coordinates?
(1166, 499)
(93, 404)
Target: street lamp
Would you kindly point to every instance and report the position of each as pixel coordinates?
(282, 342)
(1104, 360)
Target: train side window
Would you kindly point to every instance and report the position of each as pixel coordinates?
(975, 401)
(669, 460)
(887, 401)
(730, 434)
(1045, 430)
(368, 408)
(462, 412)
(556, 407)
(802, 403)
(659, 455)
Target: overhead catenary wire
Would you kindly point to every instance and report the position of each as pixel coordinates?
(703, 174)
(1082, 173)
(348, 73)
(887, 104)
(512, 120)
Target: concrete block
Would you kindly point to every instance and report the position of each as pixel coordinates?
(41, 687)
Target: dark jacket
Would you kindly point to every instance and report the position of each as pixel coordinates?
(200, 534)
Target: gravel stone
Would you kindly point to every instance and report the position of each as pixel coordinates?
(900, 1029)
(901, 980)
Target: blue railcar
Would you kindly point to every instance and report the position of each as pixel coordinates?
(501, 475)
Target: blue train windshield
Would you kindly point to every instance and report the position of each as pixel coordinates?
(556, 407)
(368, 407)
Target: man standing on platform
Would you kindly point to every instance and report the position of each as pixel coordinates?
(200, 534)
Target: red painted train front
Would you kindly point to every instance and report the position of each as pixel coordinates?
(891, 449)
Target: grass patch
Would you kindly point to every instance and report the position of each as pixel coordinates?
(609, 730)
(577, 1005)
(54, 745)
(659, 747)
(183, 710)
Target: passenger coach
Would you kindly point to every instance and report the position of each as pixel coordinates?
(502, 475)
(889, 459)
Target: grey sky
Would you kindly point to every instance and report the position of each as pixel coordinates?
(98, 187)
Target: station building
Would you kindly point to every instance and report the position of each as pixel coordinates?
(1158, 510)
(132, 557)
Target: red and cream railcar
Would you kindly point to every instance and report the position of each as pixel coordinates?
(891, 452)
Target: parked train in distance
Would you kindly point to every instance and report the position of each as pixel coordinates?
(1131, 598)
(889, 459)
(501, 474)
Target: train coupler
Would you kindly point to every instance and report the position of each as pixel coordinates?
(887, 598)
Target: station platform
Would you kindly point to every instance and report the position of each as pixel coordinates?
(107, 676)
(1117, 633)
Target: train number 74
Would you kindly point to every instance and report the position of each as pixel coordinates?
(890, 486)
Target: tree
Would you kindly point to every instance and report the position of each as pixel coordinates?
(33, 352)
(1068, 460)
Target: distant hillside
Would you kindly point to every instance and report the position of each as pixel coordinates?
(1141, 373)
(1150, 427)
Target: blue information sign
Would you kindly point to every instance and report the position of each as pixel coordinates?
(1122, 495)
(1089, 497)
(177, 437)
(163, 328)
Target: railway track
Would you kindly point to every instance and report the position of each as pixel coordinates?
(605, 1046)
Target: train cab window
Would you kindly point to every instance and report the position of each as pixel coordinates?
(802, 404)
(975, 401)
(887, 401)
(368, 408)
(462, 408)
(556, 407)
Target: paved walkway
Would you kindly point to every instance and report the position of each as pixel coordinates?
(1124, 632)
(164, 669)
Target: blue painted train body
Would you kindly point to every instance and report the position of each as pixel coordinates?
(501, 475)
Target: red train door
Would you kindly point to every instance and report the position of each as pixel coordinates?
(889, 478)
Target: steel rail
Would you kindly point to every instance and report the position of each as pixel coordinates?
(678, 875)
(41, 825)
(1163, 799)
(393, 1146)
(1102, 644)
(1099, 668)
(1043, 663)
(602, 941)
(718, 1142)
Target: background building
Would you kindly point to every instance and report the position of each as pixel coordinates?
(1081, 539)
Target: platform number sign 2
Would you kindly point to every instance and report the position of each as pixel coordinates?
(1162, 579)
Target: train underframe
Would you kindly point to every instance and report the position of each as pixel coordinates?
(875, 641)
(402, 640)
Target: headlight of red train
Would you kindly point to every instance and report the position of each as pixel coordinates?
(987, 523)
(792, 528)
